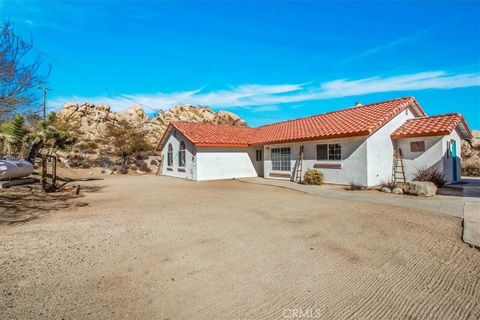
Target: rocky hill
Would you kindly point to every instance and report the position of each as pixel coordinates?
(90, 121)
(471, 155)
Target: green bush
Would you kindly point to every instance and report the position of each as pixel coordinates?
(313, 177)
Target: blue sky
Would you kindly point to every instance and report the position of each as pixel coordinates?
(267, 61)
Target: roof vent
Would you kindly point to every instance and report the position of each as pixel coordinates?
(358, 104)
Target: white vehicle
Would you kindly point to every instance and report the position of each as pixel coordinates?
(13, 168)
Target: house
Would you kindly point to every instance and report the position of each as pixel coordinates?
(353, 145)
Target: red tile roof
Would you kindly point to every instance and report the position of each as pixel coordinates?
(355, 121)
(202, 134)
(438, 125)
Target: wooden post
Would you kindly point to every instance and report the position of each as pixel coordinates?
(44, 173)
(54, 172)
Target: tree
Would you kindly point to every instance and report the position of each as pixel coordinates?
(14, 135)
(53, 134)
(19, 73)
(19, 141)
(126, 141)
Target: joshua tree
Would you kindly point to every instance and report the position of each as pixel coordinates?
(53, 134)
(16, 140)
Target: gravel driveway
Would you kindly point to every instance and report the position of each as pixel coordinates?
(163, 248)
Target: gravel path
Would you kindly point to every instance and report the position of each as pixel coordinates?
(164, 248)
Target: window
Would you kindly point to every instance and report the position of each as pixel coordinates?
(329, 151)
(181, 155)
(334, 152)
(417, 146)
(322, 151)
(170, 155)
(281, 159)
(258, 154)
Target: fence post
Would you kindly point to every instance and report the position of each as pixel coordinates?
(44, 173)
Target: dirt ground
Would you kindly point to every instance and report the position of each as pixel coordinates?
(164, 248)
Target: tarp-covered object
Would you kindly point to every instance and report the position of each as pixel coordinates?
(13, 168)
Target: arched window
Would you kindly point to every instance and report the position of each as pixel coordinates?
(170, 155)
(181, 155)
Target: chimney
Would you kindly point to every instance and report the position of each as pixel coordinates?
(358, 104)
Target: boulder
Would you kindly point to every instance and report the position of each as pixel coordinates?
(397, 190)
(422, 188)
(107, 171)
(386, 190)
(90, 121)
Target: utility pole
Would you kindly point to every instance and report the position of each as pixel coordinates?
(44, 94)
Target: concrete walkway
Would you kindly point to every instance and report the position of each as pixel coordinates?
(451, 205)
(471, 220)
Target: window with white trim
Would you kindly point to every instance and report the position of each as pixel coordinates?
(331, 151)
(181, 154)
(170, 155)
(281, 159)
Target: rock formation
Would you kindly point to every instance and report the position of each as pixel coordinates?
(90, 121)
(471, 155)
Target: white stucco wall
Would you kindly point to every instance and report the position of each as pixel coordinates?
(435, 155)
(414, 161)
(225, 163)
(190, 161)
(353, 164)
(380, 150)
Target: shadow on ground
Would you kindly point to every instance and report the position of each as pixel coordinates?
(467, 187)
(23, 203)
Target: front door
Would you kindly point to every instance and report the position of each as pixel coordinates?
(454, 159)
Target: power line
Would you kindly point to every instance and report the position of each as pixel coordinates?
(103, 86)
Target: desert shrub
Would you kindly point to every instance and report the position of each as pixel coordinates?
(141, 165)
(144, 167)
(388, 184)
(354, 187)
(126, 141)
(93, 145)
(154, 162)
(431, 175)
(142, 155)
(471, 167)
(82, 146)
(104, 162)
(471, 170)
(314, 177)
(80, 161)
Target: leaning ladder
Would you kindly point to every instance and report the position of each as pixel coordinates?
(298, 171)
(398, 169)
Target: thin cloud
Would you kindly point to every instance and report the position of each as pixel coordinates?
(388, 45)
(257, 97)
